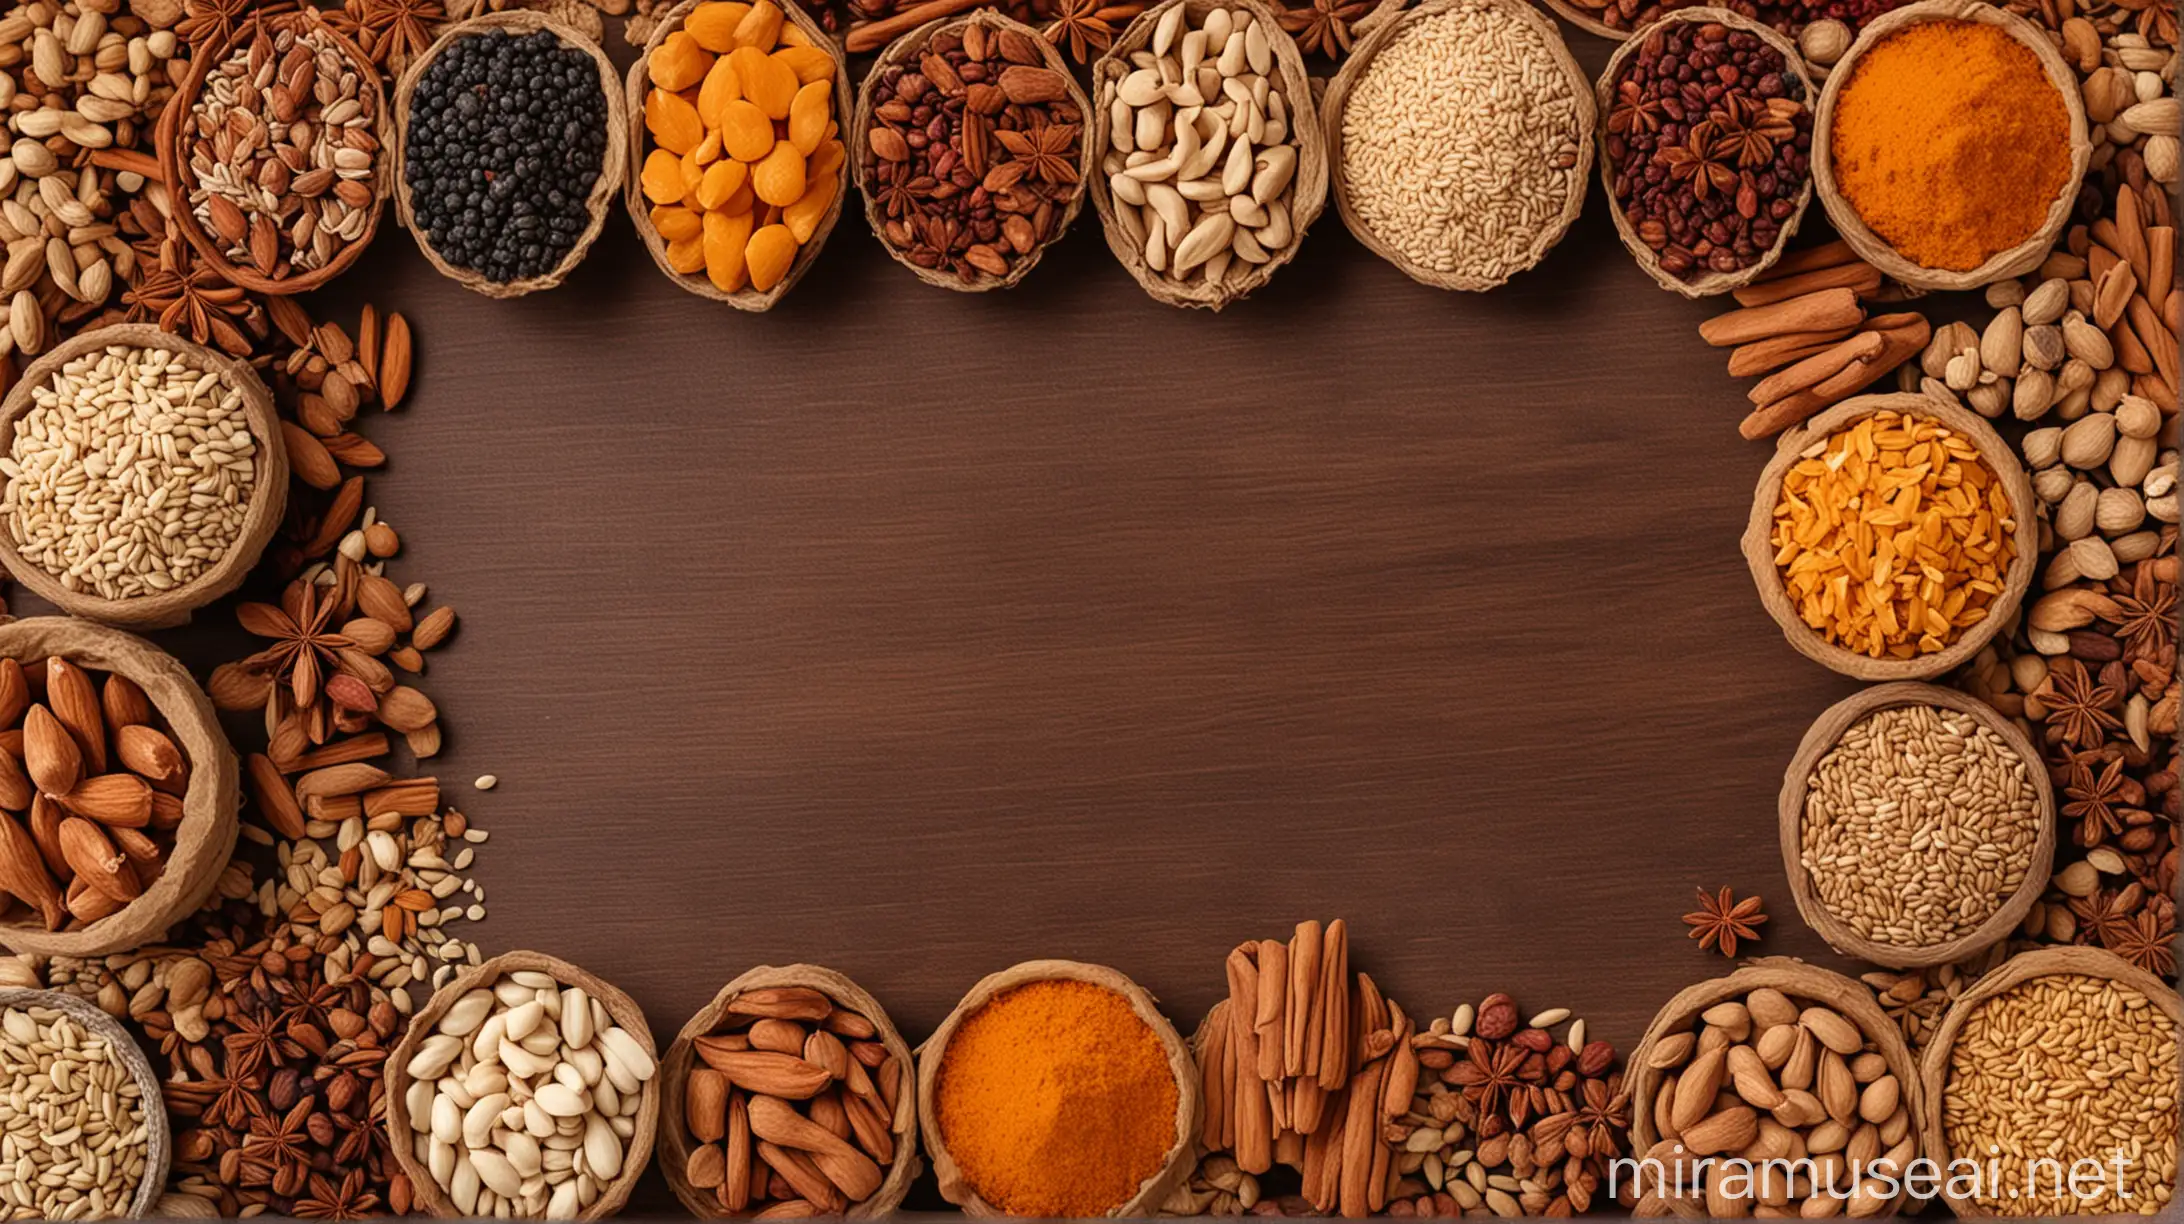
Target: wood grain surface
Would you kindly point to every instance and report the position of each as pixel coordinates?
(917, 633)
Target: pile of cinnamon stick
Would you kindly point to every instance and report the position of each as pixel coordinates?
(1804, 325)
(1305, 1064)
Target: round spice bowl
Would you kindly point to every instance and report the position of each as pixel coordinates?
(1759, 550)
(746, 298)
(1175, 1166)
(2002, 265)
(158, 1134)
(1801, 89)
(1337, 99)
(268, 497)
(614, 164)
(998, 33)
(204, 838)
(1822, 738)
(1307, 191)
(1935, 1071)
(175, 163)
(1822, 1043)
(403, 1133)
(841, 1024)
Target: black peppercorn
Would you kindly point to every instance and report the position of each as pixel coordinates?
(507, 136)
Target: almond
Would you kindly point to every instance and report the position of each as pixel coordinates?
(707, 1166)
(1834, 1032)
(167, 810)
(406, 709)
(1753, 1084)
(1798, 1072)
(736, 1183)
(705, 1104)
(1775, 1045)
(50, 752)
(23, 872)
(782, 1003)
(1695, 1091)
(93, 857)
(1726, 1131)
(276, 803)
(124, 703)
(1878, 1102)
(148, 753)
(121, 800)
(16, 792)
(1837, 1090)
(338, 780)
(371, 635)
(308, 457)
(14, 692)
(394, 363)
(434, 628)
(1770, 1007)
(761, 1071)
(76, 704)
(1673, 1050)
(88, 904)
(780, 1036)
(382, 600)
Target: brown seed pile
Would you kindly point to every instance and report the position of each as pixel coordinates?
(1918, 825)
(973, 154)
(283, 155)
(2066, 1068)
(793, 1108)
(92, 806)
(1765, 1078)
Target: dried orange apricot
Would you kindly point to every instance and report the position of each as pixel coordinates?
(714, 25)
(673, 122)
(708, 150)
(741, 202)
(662, 177)
(746, 134)
(768, 214)
(825, 161)
(722, 180)
(768, 255)
(807, 62)
(808, 116)
(726, 235)
(779, 178)
(692, 171)
(769, 82)
(675, 222)
(687, 255)
(678, 62)
(759, 27)
(802, 217)
(720, 88)
(792, 35)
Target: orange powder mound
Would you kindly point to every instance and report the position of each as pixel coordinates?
(1056, 1100)
(1951, 143)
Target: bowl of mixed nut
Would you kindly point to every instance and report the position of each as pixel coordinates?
(73, 1073)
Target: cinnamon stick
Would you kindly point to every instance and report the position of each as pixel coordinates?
(1273, 998)
(2154, 335)
(1307, 1103)
(1900, 343)
(1304, 954)
(1828, 308)
(878, 34)
(1818, 368)
(1795, 263)
(1862, 277)
(1213, 1081)
(128, 161)
(1360, 1130)
(1334, 1059)
(1774, 352)
(1254, 1121)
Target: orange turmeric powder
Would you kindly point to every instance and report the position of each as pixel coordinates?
(1951, 143)
(1056, 1100)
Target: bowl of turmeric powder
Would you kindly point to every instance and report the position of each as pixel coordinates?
(1057, 1089)
(1950, 144)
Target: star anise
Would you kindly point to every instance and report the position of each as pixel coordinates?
(2148, 942)
(190, 299)
(1696, 162)
(1085, 28)
(390, 31)
(1046, 149)
(2077, 704)
(305, 648)
(1602, 1118)
(2103, 915)
(208, 25)
(1721, 920)
(1634, 111)
(252, 1047)
(2096, 801)
(1324, 27)
(1749, 130)
(281, 1152)
(2148, 623)
(344, 1200)
(1489, 1071)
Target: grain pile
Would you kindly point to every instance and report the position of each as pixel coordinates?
(71, 1120)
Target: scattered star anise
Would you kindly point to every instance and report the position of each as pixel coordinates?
(347, 1199)
(2078, 704)
(1488, 1071)
(305, 650)
(1324, 27)
(1721, 920)
(1695, 160)
(2103, 915)
(1045, 150)
(1749, 130)
(1634, 111)
(2096, 801)
(2148, 623)
(208, 25)
(1602, 1117)
(2148, 942)
(390, 31)
(189, 299)
(1085, 28)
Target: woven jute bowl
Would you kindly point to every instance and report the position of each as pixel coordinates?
(613, 166)
(2024, 967)
(1802, 983)
(636, 1151)
(1759, 547)
(203, 841)
(640, 209)
(1706, 284)
(906, 50)
(1308, 189)
(175, 170)
(1821, 739)
(158, 1135)
(1871, 247)
(1175, 1168)
(1583, 18)
(268, 496)
(1337, 98)
(716, 1017)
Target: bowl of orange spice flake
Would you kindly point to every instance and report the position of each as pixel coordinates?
(1949, 144)
(1058, 1090)
(738, 111)
(1892, 536)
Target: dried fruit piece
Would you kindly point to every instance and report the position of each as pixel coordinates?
(769, 255)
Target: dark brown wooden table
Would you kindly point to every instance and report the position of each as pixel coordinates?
(917, 633)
